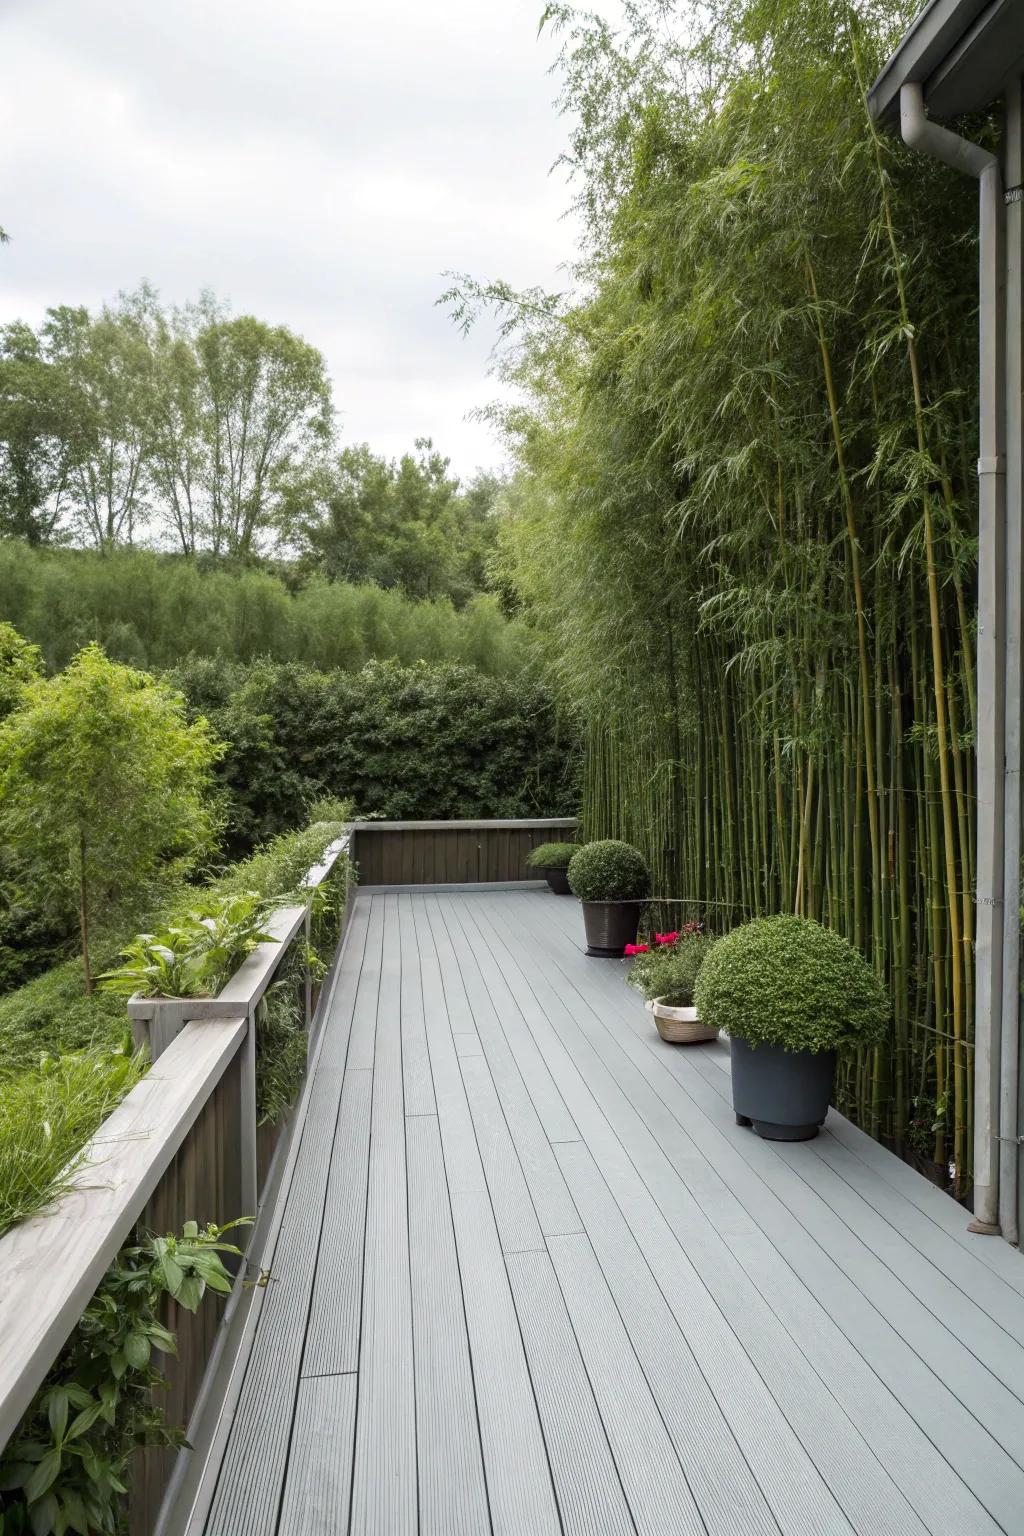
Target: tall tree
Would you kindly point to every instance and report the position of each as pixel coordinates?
(179, 449)
(104, 784)
(267, 413)
(108, 361)
(45, 427)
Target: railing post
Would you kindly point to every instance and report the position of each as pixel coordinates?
(308, 929)
(247, 1153)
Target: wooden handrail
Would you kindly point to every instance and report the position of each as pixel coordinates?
(51, 1265)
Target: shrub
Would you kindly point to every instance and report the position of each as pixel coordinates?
(609, 871)
(196, 954)
(669, 971)
(786, 981)
(551, 856)
(103, 787)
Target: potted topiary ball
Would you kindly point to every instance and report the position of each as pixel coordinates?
(552, 859)
(611, 879)
(666, 975)
(789, 994)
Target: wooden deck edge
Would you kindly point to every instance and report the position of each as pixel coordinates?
(523, 824)
(471, 885)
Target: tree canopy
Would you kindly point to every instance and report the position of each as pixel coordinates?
(405, 523)
(104, 785)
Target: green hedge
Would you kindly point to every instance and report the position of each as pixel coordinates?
(400, 742)
(150, 610)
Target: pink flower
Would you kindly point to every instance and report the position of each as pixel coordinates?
(665, 938)
(635, 949)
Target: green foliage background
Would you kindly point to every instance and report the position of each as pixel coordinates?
(401, 743)
(152, 610)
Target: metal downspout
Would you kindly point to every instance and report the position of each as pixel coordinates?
(1010, 1084)
(972, 160)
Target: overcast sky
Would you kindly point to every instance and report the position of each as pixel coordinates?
(318, 163)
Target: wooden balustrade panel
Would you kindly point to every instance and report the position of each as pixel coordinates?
(202, 1183)
(451, 853)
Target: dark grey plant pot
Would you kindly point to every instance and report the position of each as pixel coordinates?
(558, 881)
(784, 1095)
(610, 926)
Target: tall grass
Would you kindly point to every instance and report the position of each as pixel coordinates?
(152, 610)
(47, 1116)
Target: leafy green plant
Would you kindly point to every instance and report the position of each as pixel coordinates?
(66, 1468)
(551, 856)
(48, 1112)
(281, 1039)
(195, 956)
(20, 664)
(669, 970)
(609, 871)
(787, 981)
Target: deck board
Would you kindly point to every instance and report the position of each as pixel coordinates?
(453, 1493)
(531, 1278)
(384, 1485)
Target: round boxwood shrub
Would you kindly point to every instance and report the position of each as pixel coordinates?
(787, 981)
(609, 871)
(669, 972)
(551, 856)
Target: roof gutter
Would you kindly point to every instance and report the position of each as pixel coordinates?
(995, 1050)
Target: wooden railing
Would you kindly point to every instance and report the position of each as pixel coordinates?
(183, 1145)
(451, 852)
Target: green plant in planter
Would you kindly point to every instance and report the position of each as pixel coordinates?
(196, 954)
(669, 972)
(609, 871)
(786, 981)
(551, 856)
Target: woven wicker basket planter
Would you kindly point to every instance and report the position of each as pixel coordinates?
(680, 1026)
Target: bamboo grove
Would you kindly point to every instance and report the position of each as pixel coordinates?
(745, 513)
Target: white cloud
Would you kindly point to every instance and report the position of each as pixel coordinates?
(319, 164)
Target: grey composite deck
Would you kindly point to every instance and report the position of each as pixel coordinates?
(531, 1278)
